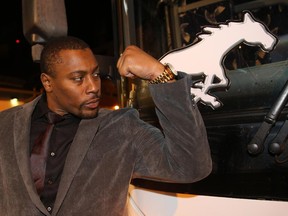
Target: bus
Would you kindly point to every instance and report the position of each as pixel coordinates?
(247, 132)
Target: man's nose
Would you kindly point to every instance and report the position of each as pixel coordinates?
(93, 85)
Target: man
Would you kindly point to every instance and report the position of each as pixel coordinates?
(94, 153)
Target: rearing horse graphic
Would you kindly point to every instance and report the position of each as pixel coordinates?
(206, 56)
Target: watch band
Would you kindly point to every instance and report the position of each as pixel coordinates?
(168, 74)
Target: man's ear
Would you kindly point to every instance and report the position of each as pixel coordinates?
(46, 82)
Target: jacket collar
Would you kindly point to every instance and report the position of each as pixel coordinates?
(22, 122)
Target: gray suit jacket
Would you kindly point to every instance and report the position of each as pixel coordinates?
(106, 153)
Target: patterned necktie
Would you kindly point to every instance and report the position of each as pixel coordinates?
(39, 152)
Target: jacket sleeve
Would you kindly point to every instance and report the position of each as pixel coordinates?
(179, 152)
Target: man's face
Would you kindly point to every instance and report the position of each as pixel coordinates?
(76, 87)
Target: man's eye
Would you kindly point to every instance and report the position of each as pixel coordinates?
(96, 74)
(78, 79)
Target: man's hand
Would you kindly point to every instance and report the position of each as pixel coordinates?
(134, 62)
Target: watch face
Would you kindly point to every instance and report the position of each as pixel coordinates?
(172, 69)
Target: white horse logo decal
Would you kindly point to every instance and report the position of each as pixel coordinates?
(205, 58)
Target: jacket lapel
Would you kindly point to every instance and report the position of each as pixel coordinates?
(22, 121)
(79, 147)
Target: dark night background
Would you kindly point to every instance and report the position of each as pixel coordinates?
(91, 22)
(85, 20)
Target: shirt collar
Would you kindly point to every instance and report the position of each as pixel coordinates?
(42, 109)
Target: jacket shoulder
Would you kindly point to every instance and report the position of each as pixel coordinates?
(119, 112)
(10, 110)
(6, 114)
